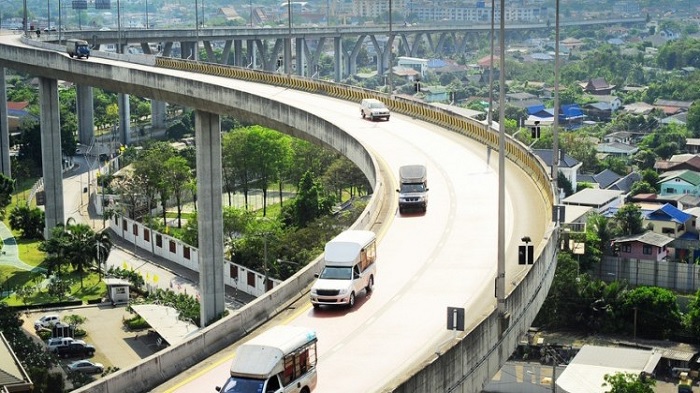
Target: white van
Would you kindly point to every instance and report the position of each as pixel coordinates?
(413, 191)
(350, 266)
(280, 360)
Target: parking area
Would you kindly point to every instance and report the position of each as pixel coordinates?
(116, 346)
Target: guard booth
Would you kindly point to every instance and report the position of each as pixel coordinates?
(117, 290)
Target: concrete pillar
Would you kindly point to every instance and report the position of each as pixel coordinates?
(209, 215)
(51, 156)
(299, 48)
(287, 55)
(338, 60)
(158, 115)
(86, 114)
(250, 48)
(4, 128)
(238, 59)
(124, 119)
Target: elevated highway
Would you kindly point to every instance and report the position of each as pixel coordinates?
(445, 258)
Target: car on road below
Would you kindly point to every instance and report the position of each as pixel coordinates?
(86, 366)
(75, 349)
(46, 321)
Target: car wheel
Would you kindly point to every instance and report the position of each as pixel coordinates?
(351, 301)
(363, 114)
(316, 306)
(370, 284)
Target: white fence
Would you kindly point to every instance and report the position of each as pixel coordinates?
(172, 249)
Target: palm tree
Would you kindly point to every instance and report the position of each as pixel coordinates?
(103, 246)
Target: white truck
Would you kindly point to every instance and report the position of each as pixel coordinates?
(350, 266)
(280, 360)
(413, 191)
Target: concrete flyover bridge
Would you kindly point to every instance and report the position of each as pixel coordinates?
(302, 46)
(396, 338)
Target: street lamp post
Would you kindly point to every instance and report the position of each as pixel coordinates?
(146, 14)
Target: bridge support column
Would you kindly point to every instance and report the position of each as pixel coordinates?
(300, 60)
(338, 58)
(86, 114)
(124, 119)
(250, 49)
(157, 115)
(209, 217)
(52, 159)
(4, 128)
(238, 59)
(287, 56)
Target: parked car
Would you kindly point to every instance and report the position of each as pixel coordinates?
(55, 342)
(46, 321)
(86, 366)
(75, 349)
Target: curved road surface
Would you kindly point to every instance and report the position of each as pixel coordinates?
(426, 263)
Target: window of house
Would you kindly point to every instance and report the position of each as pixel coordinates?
(626, 248)
(146, 234)
(251, 279)
(159, 240)
(186, 252)
(173, 246)
(646, 250)
(670, 190)
(233, 271)
(123, 225)
(135, 229)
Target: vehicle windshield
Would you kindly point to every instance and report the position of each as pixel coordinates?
(376, 105)
(412, 187)
(336, 273)
(243, 385)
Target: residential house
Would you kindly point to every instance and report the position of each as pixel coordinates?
(523, 100)
(16, 113)
(597, 199)
(230, 14)
(435, 93)
(571, 116)
(680, 119)
(598, 111)
(602, 179)
(681, 201)
(680, 182)
(647, 245)
(571, 43)
(678, 225)
(679, 162)
(616, 149)
(692, 145)
(418, 64)
(671, 107)
(638, 108)
(567, 165)
(597, 86)
(625, 184)
(669, 220)
(625, 137)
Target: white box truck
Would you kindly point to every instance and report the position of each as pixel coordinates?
(413, 188)
(280, 360)
(350, 267)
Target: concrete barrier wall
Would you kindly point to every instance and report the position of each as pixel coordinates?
(472, 361)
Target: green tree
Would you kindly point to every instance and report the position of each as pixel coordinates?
(629, 220)
(691, 319)
(657, 312)
(29, 221)
(628, 383)
(178, 174)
